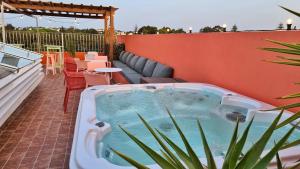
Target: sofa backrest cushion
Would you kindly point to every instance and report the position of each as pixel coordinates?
(129, 57)
(139, 65)
(123, 59)
(121, 55)
(133, 61)
(162, 70)
(148, 68)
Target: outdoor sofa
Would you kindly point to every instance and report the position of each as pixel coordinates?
(135, 67)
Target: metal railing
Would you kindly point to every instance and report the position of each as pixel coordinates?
(83, 42)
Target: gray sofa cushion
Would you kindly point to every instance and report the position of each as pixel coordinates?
(128, 70)
(161, 70)
(133, 61)
(121, 55)
(129, 57)
(119, 64)
(139, 65)
(148, 68)
(123, 59)
(134, 78)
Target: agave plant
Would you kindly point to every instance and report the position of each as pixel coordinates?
(235, 158)
(292, 49)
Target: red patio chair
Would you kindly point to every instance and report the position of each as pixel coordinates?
(70, 64)
(74, 81)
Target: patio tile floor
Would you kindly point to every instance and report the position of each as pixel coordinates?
(39, 134)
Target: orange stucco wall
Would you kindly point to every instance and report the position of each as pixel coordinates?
(229, 60)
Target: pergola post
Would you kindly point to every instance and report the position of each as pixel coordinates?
(3, 23)
(111, 35)
(105, 31)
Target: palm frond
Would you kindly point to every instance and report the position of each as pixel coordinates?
(291, 11)
(263, 163)
(130, 160)
(166, 149)
(194, 158)
(210, 159)
(154, 155)
(289, 45)
(279, 163)
(286, 51)
(253, 154)
(291, 96)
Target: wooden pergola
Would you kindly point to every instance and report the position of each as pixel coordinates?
(46, 8)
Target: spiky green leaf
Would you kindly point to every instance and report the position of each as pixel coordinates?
(292, 144)
(289, 120)
(167, 150)
(168, 158)
(231, 146)
(279, 163)
(155, 156)
(253, 154)
(194, 158)
(181, 154)
(291, 11)
(288, 58)
(263, 163)
(286, 63)
(210, 159)
(289, 45)
(286, 107)
(130, 160)
(291, 96)
(236, 154)
(286, 51)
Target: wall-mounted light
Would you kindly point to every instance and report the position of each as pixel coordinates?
(40, 17)
(289, 23)
(224, 26)
(190, 30)
(21, 17)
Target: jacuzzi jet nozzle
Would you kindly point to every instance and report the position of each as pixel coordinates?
(100, 124)
(234, 116)
(151, 87)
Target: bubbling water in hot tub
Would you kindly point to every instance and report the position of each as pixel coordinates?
(186, 105)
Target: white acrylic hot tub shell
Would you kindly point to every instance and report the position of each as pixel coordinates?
(83, 155)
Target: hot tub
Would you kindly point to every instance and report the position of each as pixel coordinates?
(216, 108)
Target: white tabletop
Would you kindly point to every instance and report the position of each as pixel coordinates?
(94, 60)
(108, 70)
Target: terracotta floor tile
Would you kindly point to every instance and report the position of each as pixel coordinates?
(39, 134)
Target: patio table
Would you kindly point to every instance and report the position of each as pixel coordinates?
(108, 71)
(92, 79)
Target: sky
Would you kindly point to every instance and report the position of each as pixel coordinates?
(247, 15)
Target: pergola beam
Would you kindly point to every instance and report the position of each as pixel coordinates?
(39, 5)
(31, 8)
(56, 14)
